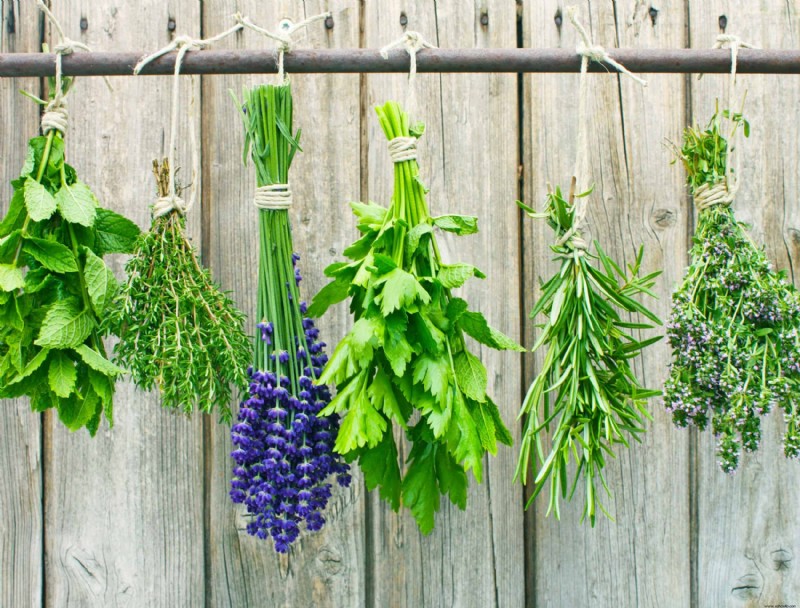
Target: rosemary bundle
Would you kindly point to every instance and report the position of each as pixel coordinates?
(406, 352)
(586, 388)
(735, 323)
(177, 330)
(55, 288)
(284, 452)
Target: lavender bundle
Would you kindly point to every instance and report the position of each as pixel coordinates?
(284, 452)
(734, 323)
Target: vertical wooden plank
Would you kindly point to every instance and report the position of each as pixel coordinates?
(748, 532)
(124, 511)
(469, 160)
(324, 568)
(643, 559)
(21, 529)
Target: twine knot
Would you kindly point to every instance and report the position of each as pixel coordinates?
(165, 205)
(708, 195)
(413, 43)
(274, 197)
(402, 149)
(55, 117)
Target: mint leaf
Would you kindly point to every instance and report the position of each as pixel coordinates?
(459, 224)
(11, 278)
(484, 424)
(62, 374)
(100, 282)
(380, 468)
(40, 203)
(455, 275)
(15, 216)
(470, 375)
(501, 431)
(102, 385)
(77, 204)
(474, 324)
(33, 365)
(53, 256)
(9, 245)
(37, 279)
(452, 478)
(114, 233)
(77, 413)
(97, 361)
(400, 290)
(420, 490)
(66, 325)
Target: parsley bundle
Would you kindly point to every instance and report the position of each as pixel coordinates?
(586, 388)
(735, 323)
(406, 352)
(55, 288)
(284, 452)
(177, 330)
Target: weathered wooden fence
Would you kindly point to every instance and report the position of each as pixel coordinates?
(139, 516)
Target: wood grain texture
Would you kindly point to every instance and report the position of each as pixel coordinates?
(469, 160)
(643, 559)
(124, 511)
(325, 568)
(748, 533)
(21, 529)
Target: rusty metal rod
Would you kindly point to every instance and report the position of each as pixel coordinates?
(751, 61)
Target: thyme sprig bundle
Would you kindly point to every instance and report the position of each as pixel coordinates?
(585, 390)
(284, 454)
(55, 288)
(177, 330)
(406, 352)
(735, 323)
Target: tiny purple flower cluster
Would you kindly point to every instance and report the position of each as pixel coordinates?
(735, 343)
(284, 448)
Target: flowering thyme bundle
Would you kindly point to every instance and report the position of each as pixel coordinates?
(284, 452)
(586, 386)
(406, 352)
(55, 288)
(177, 330)
(735, 324)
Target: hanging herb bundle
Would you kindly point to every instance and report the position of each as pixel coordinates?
(55, 288)
(177, 330)
(586, 388)
(406, 351)
(735, 323)
(284, 453)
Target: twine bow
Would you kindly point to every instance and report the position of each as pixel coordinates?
(283, 37)
(182, 44)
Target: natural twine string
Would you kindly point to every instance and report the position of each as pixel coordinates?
(274, 196)
(589, 52)
(413, 43)
(183, 44)
(283, 37)
(56, 116)
(402, 149)
(724, 191)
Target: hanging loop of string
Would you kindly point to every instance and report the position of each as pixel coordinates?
(56, 116)
(282, 37)
(182, 44)
(724, 191)
(588, 51)
(402, 149)
(413, 42)
(274, 197)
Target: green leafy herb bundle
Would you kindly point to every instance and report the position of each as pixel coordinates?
(55, 289)
(177, 330)
(406, 352)
(735, 323)
(585, 391)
